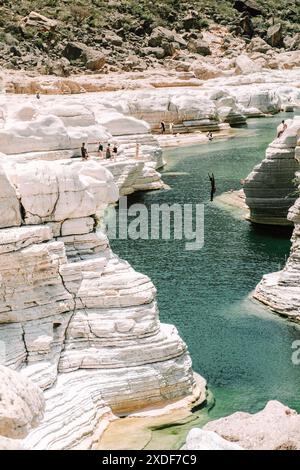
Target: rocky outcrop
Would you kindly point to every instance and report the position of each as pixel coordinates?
(77, 320)
(274, 35)
(38, 21)
(280, 291)
(276, 427)
(54, 131)
(270, 188)
(257, 44)
(245, 65)
(249, 6)
(93, 59)
(197, 439)
(91, 118)
(21, 408)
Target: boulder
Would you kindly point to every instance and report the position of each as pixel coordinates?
(170, 48)
(157, 52)
(59, 67)
(249, 6)
(244, 65)
(199, 46)
(257, 44)
(21, 404)
(93, 59)
(112, 38)
(134, 63)
(160, 35)
(38, 21)
(197, 439)
(204, 70)
(191, 20)
(288, 60)
(274, 35)
(276, 427)
(247, 26)
(292, 42)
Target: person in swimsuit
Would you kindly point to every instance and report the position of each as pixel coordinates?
(84, 153)
(100, 150)
(108, 152)
(213, 188)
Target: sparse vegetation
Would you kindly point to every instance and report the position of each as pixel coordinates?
(85, 21)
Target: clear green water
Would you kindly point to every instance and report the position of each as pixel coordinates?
(242, 350)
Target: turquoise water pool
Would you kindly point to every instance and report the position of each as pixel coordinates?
(242, 350)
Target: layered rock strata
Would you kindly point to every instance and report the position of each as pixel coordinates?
(53, 131)
(77, 320)
(280, 291)
(104, 116)
(270, 188)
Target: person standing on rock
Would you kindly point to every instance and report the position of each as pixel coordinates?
(108, 152)
(100, 150)
(210, 136)
(171, 125)
(37, 96)
(137, 151)
(115, 152)
(213, 188)
(84, 152)
(281, 129)
(162, 127)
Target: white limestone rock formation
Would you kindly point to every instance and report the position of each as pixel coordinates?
(21, 408)
(198, 439)
(276, 427)
(74, 318)
(9, 203)
(270, 188)
(280, 291)
(258, 100)
(55, 130)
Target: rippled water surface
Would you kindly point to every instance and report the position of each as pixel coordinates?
(239, 347)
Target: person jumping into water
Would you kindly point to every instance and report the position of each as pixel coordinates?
(213, 186)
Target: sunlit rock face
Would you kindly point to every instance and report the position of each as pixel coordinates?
(270, 188)
(198, 439)
(55, 128)
(21, 408)
(280, 291)
(276, 427)
(74, 318)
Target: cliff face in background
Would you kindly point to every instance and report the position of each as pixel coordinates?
(62, 37)
(270, 188)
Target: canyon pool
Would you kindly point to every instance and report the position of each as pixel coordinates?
(242, 349)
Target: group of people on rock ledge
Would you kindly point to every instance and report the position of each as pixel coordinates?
(110, 152)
